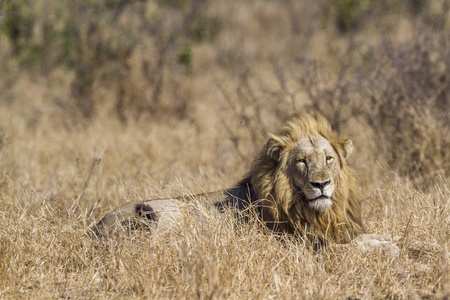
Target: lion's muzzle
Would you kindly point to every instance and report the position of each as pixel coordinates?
(318, 190)
(318, 195)
(320, 185)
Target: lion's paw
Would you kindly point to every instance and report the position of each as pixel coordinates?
(385, 243)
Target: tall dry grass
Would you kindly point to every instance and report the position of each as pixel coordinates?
(46, 251)
(382, 78)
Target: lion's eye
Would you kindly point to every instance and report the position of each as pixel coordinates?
(302, 161)
(329, 158)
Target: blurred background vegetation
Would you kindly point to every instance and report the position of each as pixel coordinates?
(379, 69)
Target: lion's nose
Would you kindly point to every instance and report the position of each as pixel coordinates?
(320, 185)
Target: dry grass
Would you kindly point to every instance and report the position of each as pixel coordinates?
(45, 251)
(59, 173)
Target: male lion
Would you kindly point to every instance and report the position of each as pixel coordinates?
(299, 182)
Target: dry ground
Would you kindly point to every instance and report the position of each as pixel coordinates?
(59, 173)
(46, 210)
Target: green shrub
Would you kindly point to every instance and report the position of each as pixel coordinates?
(350, 13)
(184, 57)
(203, 28)
(96, 40)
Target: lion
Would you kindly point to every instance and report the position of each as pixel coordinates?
(298, 183)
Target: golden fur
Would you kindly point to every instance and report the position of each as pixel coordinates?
(305, 159)
(271, 179)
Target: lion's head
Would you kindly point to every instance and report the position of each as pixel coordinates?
(303, 180)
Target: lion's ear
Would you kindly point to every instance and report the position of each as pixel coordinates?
(274, 148)
(347, 147)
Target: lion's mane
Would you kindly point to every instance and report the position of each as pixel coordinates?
(283, 208)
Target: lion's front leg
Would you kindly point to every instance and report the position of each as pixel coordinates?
(384, 242)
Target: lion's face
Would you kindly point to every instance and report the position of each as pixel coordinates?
(303, 167)
(301, 180)
(313, 169)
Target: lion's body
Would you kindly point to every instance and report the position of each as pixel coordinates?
(299, 182)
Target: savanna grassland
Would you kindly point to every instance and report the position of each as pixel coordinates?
(107, 101)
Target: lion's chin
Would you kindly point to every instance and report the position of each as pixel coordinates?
(320, 204)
